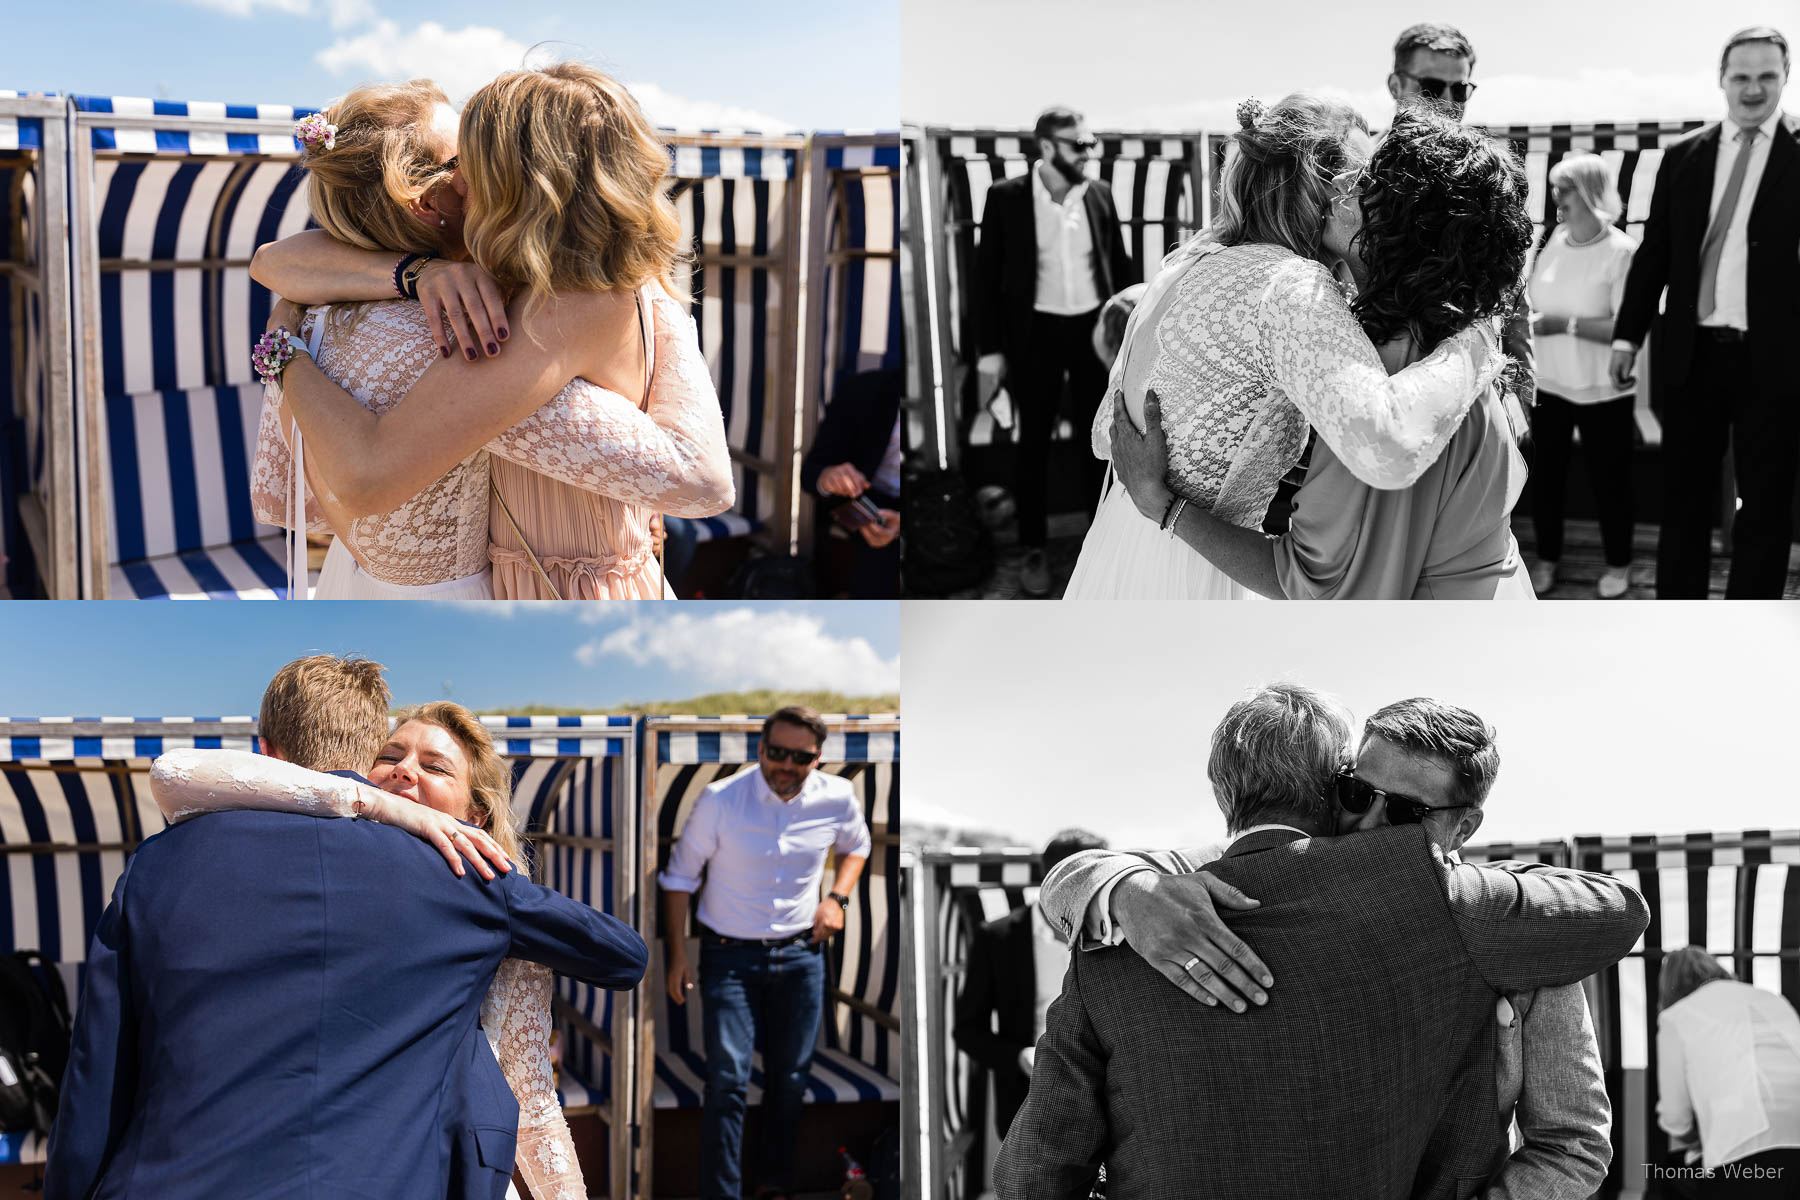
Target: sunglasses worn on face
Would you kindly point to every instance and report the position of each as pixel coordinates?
(1085, 145)
(1356, 796)
(782, 754)
(1436, 88)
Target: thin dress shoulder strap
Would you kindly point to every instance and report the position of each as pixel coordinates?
(647, 325)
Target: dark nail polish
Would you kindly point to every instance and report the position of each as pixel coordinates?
(471, 355)
(503, 335)
(446, 351)
(493, 349)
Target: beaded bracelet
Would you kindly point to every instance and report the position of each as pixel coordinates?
(273, 351)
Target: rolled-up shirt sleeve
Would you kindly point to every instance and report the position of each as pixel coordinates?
(699, 840)
(853, 833)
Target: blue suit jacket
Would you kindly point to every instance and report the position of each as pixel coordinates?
(279, 1006)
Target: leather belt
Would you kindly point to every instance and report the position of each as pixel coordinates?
(1723, 333)
(768, 943)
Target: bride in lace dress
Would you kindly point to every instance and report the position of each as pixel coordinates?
(498, 458)
(438, 767)
(1248, 341)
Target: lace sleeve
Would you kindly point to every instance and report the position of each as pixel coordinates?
(188, 783)
(516, 1015)
(673, 457)
(269, 472)
(1386, 431)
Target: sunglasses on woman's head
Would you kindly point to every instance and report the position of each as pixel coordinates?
(782, 754)
(1436, 88)
(1357, 797)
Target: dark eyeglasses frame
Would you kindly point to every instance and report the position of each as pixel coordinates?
(1358, 796)
(1436, 88)
(782, 754)
(1085, 145)
(449, 164)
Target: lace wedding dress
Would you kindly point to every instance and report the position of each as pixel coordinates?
(515, 1014)
(1246, 347)
(437, 543)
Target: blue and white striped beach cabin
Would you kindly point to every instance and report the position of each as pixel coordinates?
(857, 1060)
(130, 471)
(1737, 894)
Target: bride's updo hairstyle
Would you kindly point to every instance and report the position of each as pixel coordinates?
(1276, 185)
(490, 778)
(1444, 230)
(568, 184)
(385, 156)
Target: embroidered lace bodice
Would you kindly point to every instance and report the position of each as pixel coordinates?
(1249, 345)
(673, 457)
(516, 1011)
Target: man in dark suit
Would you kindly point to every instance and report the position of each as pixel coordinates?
(855, 453)
(1721, 241)
(1051, 253)
(1369, 1070)
(1016, 967)
(286, 1006)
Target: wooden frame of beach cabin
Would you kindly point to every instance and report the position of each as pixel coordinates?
(47, 516)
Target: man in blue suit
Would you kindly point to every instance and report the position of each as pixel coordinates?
(279, 1006)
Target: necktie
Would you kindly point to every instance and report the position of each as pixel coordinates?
(1714, 242)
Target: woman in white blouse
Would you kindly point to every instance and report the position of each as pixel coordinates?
(1575, 289)
(1728, 1078)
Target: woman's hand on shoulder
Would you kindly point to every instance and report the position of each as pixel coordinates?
(463, 302)
(454, 840)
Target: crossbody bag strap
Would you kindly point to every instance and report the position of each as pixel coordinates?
(494, 491)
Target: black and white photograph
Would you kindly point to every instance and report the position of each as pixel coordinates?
(1303, 301)
(1363, 905)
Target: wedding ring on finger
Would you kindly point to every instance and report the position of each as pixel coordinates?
(1190, 964)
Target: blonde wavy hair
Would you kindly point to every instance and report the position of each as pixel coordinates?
(1276, 185)
(1588, 176)
(568, 185)
(490, 776)
(385, 158)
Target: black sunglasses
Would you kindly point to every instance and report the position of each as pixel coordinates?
(1084, 144)
(1436, 88)
(782, 754)
(1356, 796)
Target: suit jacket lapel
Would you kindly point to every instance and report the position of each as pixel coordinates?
(1781, 159)
(1101, 227)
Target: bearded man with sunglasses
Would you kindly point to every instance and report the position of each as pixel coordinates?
(1394, 961)
(760, 840)
(1051, 253)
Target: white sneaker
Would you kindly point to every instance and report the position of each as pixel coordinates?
(1543, 576)
(1615, 583)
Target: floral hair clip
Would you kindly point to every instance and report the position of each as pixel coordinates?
(1250, 111)
(315, 133)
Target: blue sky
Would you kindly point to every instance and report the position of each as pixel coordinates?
(125, 659)
(1174, 64)
(774, 62)
(1612, 718)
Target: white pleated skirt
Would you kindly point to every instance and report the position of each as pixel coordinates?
(342, 579)
(1126, 557)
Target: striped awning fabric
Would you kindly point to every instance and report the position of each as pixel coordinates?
(173, 139)
(689, 740)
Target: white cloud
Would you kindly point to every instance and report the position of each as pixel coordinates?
(1592, 94)
(669, 111)
(741, 649)
(460, 60)
(345, 13)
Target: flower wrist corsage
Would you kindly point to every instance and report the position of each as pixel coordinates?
(274, 351)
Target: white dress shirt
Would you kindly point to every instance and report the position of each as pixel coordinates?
(1065, 251)
(762, 856)
(1050, 958)
(1728, 1060)
(1730, 295)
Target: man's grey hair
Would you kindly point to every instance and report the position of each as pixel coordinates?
(1275, 754)
(1453, 736)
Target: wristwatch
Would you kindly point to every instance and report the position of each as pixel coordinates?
(843, 900)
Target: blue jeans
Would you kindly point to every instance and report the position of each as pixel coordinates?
(756, 996)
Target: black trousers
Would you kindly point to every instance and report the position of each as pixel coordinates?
(1607, 435)
(1718, 403)
(1059, 355)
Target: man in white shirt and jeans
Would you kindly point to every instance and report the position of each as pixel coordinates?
(760, 840)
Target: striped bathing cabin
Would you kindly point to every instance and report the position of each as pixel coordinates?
(141, 460)
(1737, 894)
(857, 1059)
(75, 802)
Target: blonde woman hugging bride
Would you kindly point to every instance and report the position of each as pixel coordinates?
(497, 385)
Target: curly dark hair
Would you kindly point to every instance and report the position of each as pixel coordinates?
(1445, 230)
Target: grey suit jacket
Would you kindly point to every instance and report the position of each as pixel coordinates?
(1370, 1073)
(1563, 1114)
